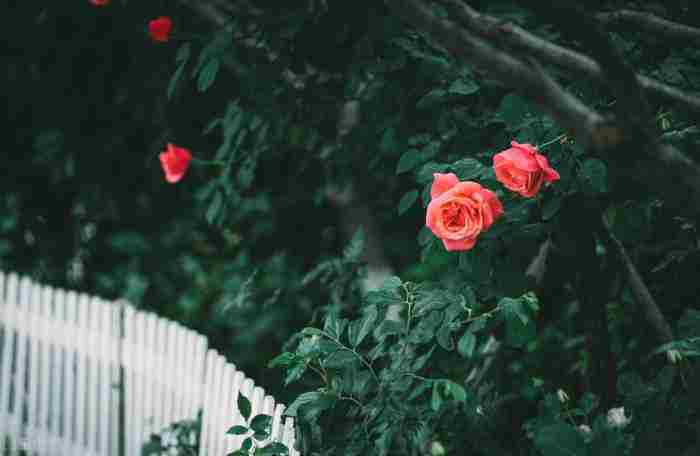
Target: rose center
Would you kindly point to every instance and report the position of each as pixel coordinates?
(454, 216)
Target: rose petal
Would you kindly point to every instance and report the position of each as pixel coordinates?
(442, 183)
(460, 244)
(550, 175)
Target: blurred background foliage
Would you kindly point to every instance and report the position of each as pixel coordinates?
(228, 251)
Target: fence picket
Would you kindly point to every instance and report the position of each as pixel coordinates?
(6, 375)
(33, 401)
(48, 349)
(81, 372)
(22, 365)
(68, 362)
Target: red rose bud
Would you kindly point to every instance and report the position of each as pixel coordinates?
(159, 29)
(175, 161)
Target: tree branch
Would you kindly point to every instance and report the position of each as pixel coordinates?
(669, 167)
(517, 38)
(642, 296)
(571, 113)
(653, 24)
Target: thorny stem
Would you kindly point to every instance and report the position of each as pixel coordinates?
(321, 372)
(488, 314)
(557, 139)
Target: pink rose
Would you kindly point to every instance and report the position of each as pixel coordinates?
(175, 161)
(522, 169)
(459, 211)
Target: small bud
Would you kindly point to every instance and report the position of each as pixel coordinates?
(563, 397)
(617, 418)
(674, 356)
(436, 449)
(584, 429)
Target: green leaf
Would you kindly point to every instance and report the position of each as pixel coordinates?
(183, 53)
(353, 250)
(431, 98)
(455, 390)
(388, 142)
(551, 207)
(560, 440)
(387, 328)
(467, 168)
(518, 334)
(436, 400)
(409, 160)
(311, 331)
(339, 359)
(130, 243)
(463, 87)
(595, 174)
(310, 403)
(275, 448)
(285, 359)
(208, 75)
(261, 423)
(247, 444)
(244, 407)
(514, 308)
(215, 208)
(359, 329)
(407, 200)
(237, 430)
(466, 344)
(444, 337)
(174, 80)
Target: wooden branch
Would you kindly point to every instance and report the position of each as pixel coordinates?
(570, 112)
(650, 310)
(653, 24)
(576, 64)
(633, 110)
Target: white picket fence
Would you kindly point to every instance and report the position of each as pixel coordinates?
(83, 376)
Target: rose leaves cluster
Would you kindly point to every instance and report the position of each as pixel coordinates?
(459, 211)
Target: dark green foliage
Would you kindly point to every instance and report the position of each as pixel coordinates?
(454, 355)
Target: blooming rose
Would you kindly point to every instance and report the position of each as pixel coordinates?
(175, 161)
(459, 211)
(522, 169)
(100, 2)
(159, 29)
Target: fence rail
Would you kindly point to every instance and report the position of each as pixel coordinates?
(83, 376)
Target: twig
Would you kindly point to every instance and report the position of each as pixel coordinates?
(538, 266)
(653, 24)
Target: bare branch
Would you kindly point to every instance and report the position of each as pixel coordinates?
(642, 296)
(570, 112)
(632, 107)
(514, 36)
(653, 24)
